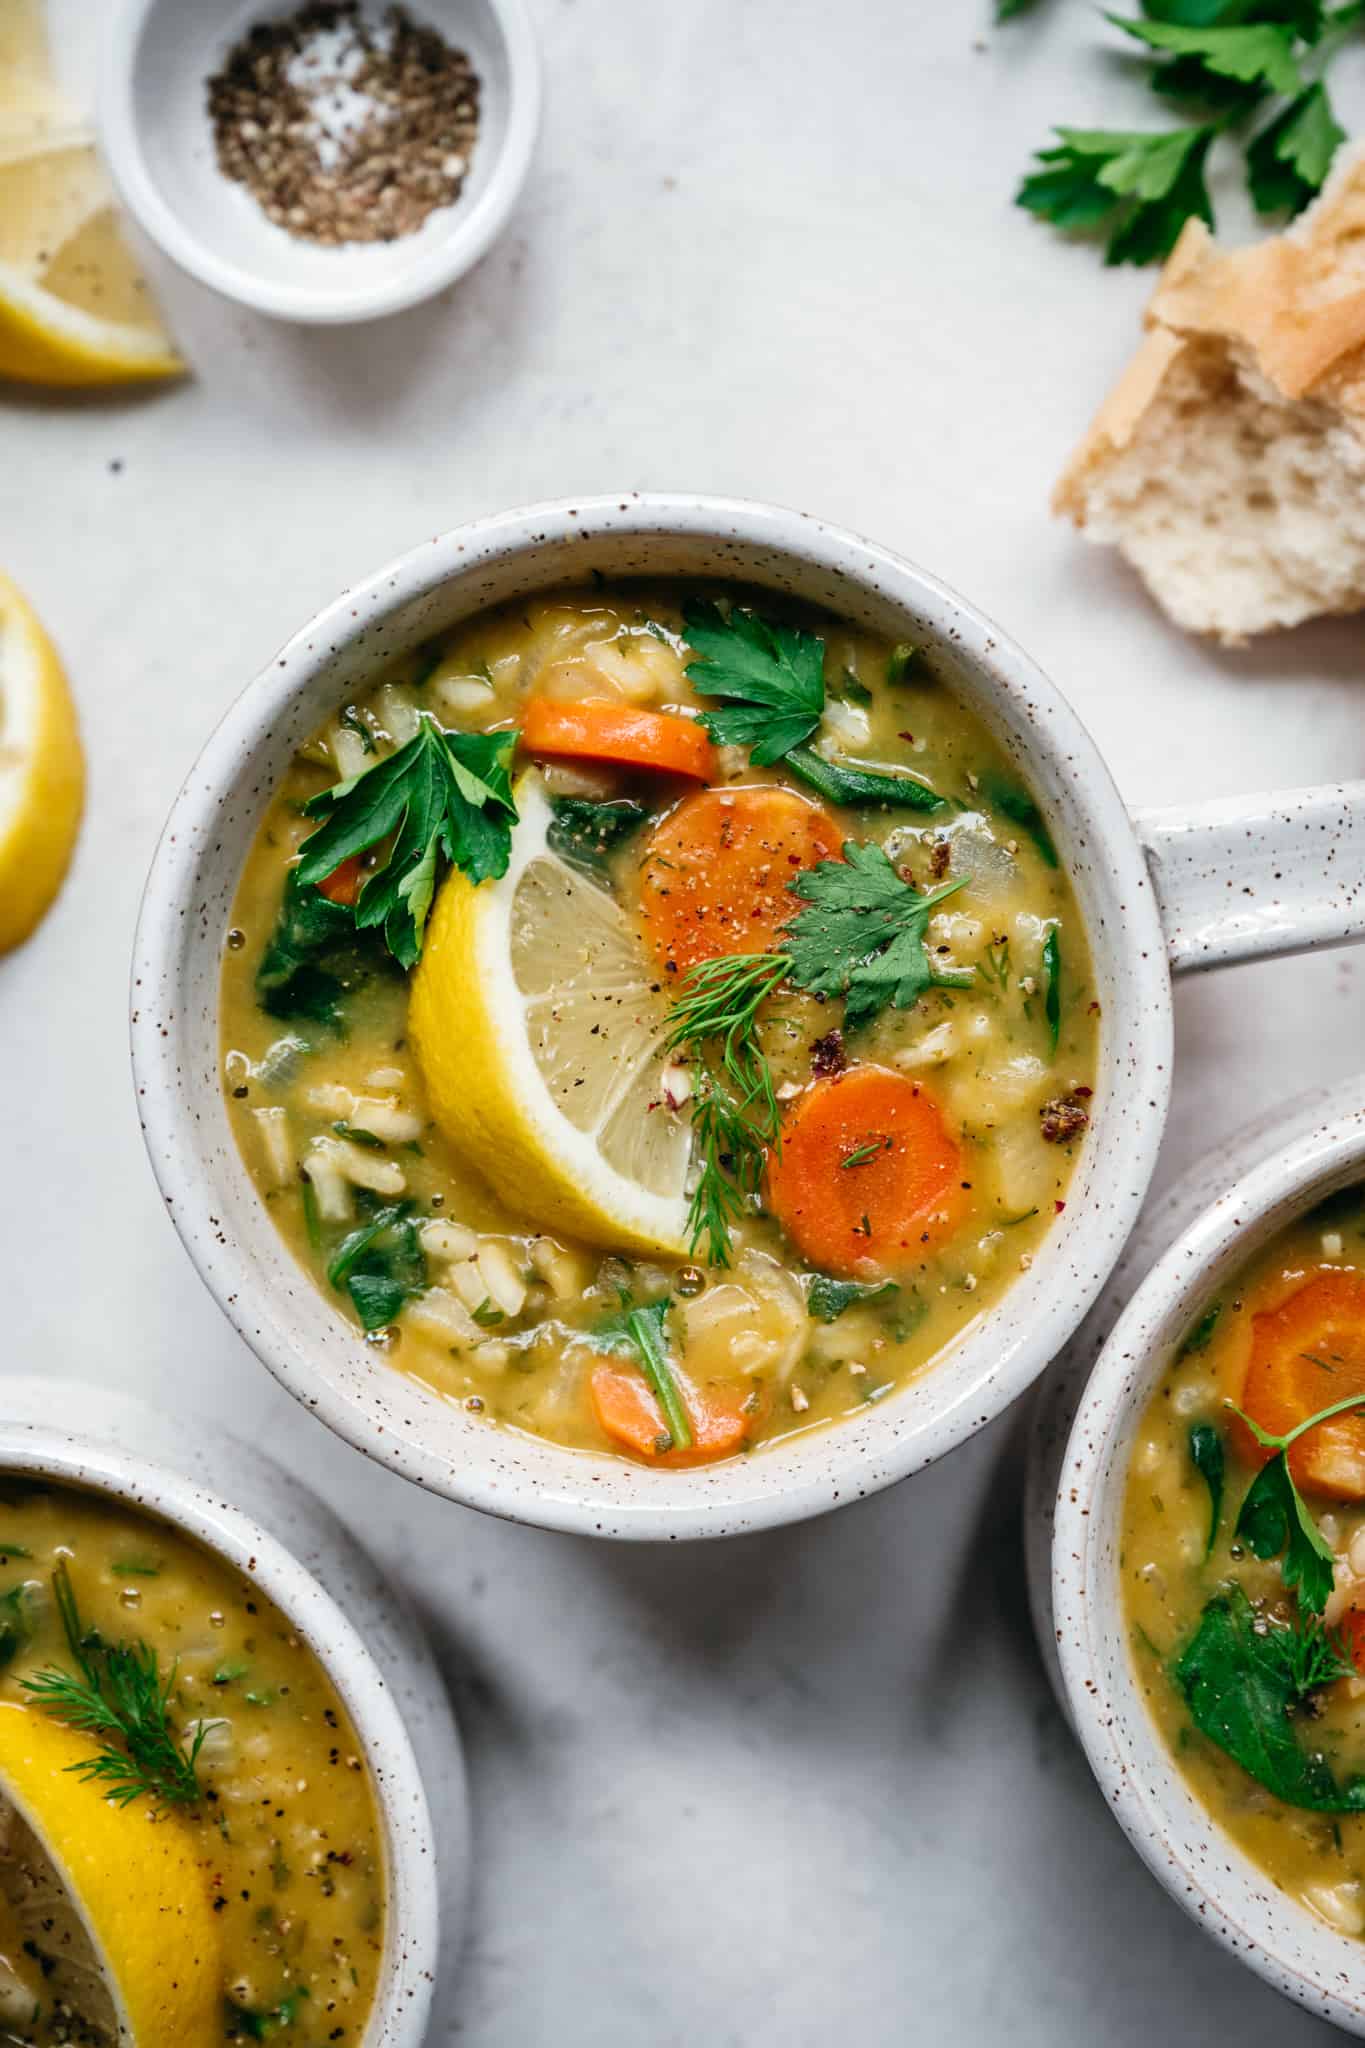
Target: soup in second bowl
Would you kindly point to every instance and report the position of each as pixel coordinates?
(171, 1747)
(658, 1018)
(1243, 1560)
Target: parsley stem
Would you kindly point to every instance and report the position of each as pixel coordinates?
(1283, 1443)
(645, 1337)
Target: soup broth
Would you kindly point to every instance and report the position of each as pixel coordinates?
(918, 1084)
(1252, 1663)
(286, 1827)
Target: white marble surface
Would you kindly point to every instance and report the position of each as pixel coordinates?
(809, 1784)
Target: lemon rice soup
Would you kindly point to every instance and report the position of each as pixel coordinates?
(658, 1018)
(1243, 1560)
(189, 1847)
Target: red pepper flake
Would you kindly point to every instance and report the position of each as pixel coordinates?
(1058, 1207)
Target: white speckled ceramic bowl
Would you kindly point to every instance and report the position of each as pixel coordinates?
(1213, 1221)
(361, 1630)
(1294, 887)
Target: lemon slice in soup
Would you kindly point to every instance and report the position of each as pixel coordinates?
(104, 1910)
(538, 1021)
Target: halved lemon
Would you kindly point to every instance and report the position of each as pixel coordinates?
(74, 307)
(104, 1911)
(42, 770)
(539, 1025)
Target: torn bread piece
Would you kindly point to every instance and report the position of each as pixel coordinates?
(1228, 463)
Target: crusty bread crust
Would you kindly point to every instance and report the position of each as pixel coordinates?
(1281, 322)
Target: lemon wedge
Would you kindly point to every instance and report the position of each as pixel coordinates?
(42, 771)
(74, 308)
(538, 1024)
(103, 1910)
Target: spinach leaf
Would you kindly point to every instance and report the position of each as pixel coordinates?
(1242, 1679)
(1015, 803)
(1052, 994)
(1198, 1336)
(381, 1265)
(16, 1623)
(826, 1298)
(313, 959)
(848, 782)
(584, 834)
(1206, 1455)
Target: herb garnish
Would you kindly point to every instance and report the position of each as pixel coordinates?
(862, 934)
(442, 794)
(244, 2021)
(1052, 992)
(16, 1620)
(643, 1332)
(772, 677)
(1206, 1455)
(1243, 1678)
(120, 1697)
(1199, 1335)
(1141, 188)
(1274, 1518)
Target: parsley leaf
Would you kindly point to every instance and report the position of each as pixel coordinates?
(826, 1298)
(772, 676)
(862, 934)
(1243, 1677)
(1206, 1455)
(1260, 54)
(1289, 160)
(642, 1331)
(1274, 1518)
(442, 793)
(1145, 187)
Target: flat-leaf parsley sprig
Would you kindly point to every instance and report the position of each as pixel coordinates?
(118, 1694)
(441, 794)
(1141, 188)
(1275, 1519)
(863, 932)
(771, 680)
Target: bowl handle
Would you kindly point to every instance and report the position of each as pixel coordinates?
(1245, 878)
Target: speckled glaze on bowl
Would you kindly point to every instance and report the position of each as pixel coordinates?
(1289, 895)
(1213, 1221)
(361, 1630)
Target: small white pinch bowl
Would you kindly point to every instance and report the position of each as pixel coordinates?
(1191, 1243)
(154, 127)
(247, 1510)
(1155, 893)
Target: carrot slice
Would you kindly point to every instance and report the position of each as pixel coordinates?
(715, 875)
(1307, 1352)
(596, 730)
(627, 1410)
(1352, 1629)
(868, 1175)
(343, 884)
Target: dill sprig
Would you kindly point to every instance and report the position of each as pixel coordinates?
(735, 1117)
(120, 1698)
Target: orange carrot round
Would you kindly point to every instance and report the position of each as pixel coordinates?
(715, 873)
(594, 729)
(344, 883)
(1352, 1628)
(868, 1176)
(1306, 1353)
(626, 1408)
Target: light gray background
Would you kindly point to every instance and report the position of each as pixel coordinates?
(807, 1786)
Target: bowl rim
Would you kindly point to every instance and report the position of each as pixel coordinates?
(437, 264)
(873, 1450)
(151, 1486)
(1280, 1168)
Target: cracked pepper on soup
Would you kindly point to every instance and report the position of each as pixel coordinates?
(658, 1019)
(1243, 1559)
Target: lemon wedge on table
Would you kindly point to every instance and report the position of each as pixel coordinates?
(538, 1020)
(74, 308)
(103, 1909)
(42, 770)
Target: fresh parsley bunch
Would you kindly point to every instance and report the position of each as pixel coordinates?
(1233, 63)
